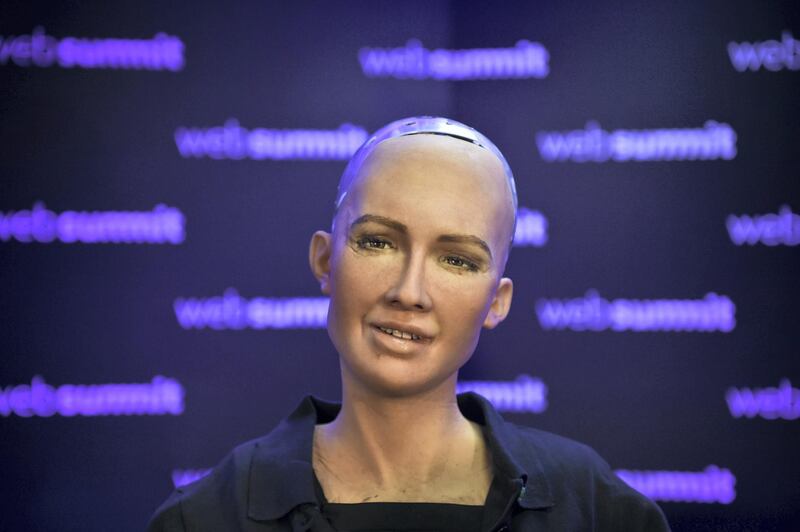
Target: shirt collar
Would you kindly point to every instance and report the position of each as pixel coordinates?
(281, 475)
(515, 457)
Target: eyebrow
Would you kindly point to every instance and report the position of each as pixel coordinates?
(467, 239)
(383, 220)
(401, 228)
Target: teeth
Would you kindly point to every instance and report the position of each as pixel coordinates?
(400, 334)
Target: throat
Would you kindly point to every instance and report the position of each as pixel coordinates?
(459, 472)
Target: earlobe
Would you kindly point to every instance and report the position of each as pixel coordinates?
(319, 258)
(501, 304)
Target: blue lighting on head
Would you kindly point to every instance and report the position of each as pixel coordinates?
(432, 125)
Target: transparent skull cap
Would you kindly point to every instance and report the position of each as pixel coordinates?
(433, 125)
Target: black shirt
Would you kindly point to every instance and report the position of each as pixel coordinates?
(541, 482)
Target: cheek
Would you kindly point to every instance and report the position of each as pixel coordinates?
(463, 303)
(359, 282)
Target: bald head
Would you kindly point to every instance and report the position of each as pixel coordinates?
(429, 128)
(445, 177)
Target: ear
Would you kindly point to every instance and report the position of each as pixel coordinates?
(501, 304)
(319, 257)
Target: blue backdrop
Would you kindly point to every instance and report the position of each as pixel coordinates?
(164, 166)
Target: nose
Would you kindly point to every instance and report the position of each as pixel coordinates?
(409, 290)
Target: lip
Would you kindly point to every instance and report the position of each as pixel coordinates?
(425, 336)
(388, 344)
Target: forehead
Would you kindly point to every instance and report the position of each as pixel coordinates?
(432, 162)
(435, 178)
(432, 147)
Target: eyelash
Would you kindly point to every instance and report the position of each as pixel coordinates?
(375, 243)
(464, 263)
(367, 241)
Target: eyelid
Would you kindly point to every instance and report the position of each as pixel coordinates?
(477, 258)
(359, 235)
(471, 265)
(361, 240)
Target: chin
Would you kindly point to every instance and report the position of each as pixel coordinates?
(396, 384)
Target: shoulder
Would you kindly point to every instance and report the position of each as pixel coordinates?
(218, 498)
(558, 455)
(257, 481)
(581, 481)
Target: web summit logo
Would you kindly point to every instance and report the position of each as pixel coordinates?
(593, 144)
(524, 394)
(593, 313)
(525, 60)
(159, 397)
(782, 402)
(712, 485)
(162, 52)
(531, 228)
(162, 225)
(232, 311)
(768, 229)
(233, 141)
(771, 55)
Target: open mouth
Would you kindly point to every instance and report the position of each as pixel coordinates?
(397, 333)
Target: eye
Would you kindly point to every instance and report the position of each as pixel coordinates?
(373, 242)
(460, 262)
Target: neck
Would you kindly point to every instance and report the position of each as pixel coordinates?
(401, 440)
